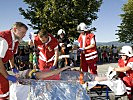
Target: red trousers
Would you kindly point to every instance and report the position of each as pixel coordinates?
(129, 86)
(4, 88)
(88, 64)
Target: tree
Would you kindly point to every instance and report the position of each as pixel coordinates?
(56, 14)
(125, 32)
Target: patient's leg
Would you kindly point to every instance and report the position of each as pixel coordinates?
(97, 78)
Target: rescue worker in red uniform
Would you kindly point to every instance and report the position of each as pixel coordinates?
(48, 50)
(89, 55)
(9, 41)
(126, 65)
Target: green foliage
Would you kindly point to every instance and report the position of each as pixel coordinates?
(125, 31)
(56, 14)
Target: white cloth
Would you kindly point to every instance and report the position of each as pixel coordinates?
(117, 86)
(3, 47)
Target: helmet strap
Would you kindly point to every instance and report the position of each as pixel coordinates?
(127, 58)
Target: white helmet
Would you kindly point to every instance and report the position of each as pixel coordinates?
(61, 31)
(126, 50)
(82, 27)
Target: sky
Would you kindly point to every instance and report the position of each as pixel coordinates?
(106, 24)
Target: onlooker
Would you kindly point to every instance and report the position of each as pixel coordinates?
(99, 54)
(26, 56)
(105, 56)
(115, 54)
(31, 58)
(75, 53)
(35, 62)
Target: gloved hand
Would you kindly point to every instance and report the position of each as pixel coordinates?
(53, 67)
(111, 74)
(81, 49)
(15, 71)
(12, 78)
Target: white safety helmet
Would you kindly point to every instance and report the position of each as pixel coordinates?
(126, 50)
(61, 31)
(82, 27)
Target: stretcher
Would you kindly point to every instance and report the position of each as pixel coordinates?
(101, 91)
(117, 87)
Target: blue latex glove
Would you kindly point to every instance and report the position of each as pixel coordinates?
(15, 71)
(81, 49)
(12, 78)
(53, 67)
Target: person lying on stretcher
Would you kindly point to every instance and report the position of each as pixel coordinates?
(60, 74)
(45, 75)
(85, 79)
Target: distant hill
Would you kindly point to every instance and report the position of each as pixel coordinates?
(115, 43)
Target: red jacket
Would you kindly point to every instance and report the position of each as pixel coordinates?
(10, 53)
(90, 54)
(122, 64)
(46, 51)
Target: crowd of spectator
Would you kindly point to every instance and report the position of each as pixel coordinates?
(107, 54)
(25, 55)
